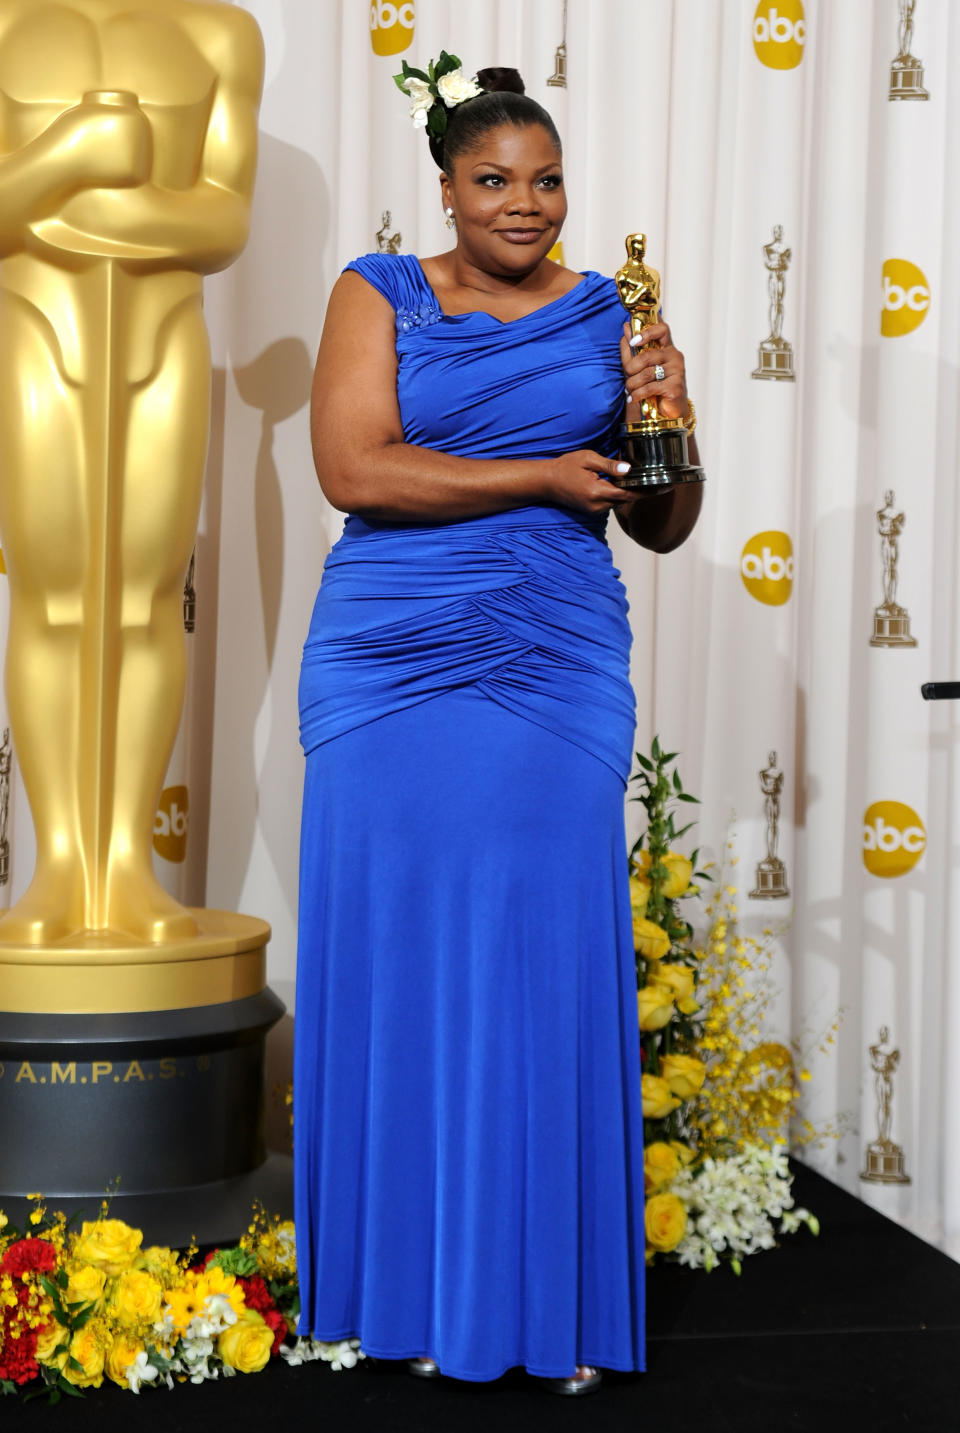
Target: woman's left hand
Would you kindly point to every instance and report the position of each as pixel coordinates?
(639, 362)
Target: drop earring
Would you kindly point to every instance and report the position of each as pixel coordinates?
(451, 221)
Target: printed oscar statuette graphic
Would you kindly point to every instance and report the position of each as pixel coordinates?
(559, 76)
(891, 622)
(884, 1163)
(387, 243)
(906, 72)
(669, 486)
(775, 356)
(6, 759)
(771, 872)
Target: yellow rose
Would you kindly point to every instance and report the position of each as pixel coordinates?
(654, 1007)
(137, 1297)
(157, 1259)
(684, 1153)
(120, 1355)
(651, 940)
(657, 1099)
(660, 1165)
(246, 1344)
(49, 1340)
(85, 1285)
(683, 1073)
(108, 1244)
(665, 1221)
(679, 872)
(639, 895)
(85, 1348)
(679, 981)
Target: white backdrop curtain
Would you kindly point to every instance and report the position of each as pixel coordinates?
(704, 123)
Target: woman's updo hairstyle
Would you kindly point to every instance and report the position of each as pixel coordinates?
(503, 101)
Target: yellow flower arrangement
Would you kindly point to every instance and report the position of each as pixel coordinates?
(85, 1285)
(680, 980)
(121, 1355)
(86, 1349)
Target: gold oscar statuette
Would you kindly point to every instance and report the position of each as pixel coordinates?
(884, 1159)
(668, 485)
(128, 141)
(132, 1029)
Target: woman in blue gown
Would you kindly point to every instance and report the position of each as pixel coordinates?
(468, 1139)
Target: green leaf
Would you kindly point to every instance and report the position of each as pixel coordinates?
(655, 749)
(685, 796)
(74, 1364)
(676, 780)
(410, 73)
(398, 80)
(736, 1266)
(644, 762)
(7, 1385)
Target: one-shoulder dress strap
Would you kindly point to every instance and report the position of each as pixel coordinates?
(399, 278)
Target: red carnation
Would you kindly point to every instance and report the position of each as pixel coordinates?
(256, 1295)
(274, 1319)
(17, 1361)
(27, 1256)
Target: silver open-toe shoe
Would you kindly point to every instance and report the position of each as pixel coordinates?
(585, 1380)
(423, 1367)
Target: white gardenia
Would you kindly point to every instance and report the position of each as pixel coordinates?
(455, 88)
(419, 92)
(140, 1371)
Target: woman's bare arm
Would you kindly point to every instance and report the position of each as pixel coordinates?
(363, 463)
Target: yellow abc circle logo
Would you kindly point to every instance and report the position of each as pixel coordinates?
(766, 566)
(893, 839)
(391, 25)
(779, 33)
(171, 823)
(906, 298)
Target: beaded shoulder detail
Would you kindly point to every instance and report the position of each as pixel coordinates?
(422, 316)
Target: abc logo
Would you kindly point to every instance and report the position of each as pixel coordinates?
(766, 566)
(893, 839)
(3, 565)
(556, 253)
(779, 33)
(170, 824)
(906, 297)
(391, 26)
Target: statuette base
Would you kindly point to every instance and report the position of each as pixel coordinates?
(771, 881)
(906, 80)
(884, 1164)
(658, 457)
(775, 360)
(891, 628)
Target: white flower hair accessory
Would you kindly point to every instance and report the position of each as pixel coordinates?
(443, 80)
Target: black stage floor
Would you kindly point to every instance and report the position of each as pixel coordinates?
(856, 1330)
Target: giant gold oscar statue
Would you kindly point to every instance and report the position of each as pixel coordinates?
(128, 141)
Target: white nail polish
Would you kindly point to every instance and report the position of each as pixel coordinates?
(623, 468)
(636, 341)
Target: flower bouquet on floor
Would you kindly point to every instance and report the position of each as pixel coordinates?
(78, 1306)
(716, 1098)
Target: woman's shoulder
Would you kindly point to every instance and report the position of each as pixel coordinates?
(398, 277)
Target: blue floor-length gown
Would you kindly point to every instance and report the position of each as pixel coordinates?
(468, 1126)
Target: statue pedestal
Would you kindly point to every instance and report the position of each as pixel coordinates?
(139, 1068)
(906, 79)
(775, 360)
(771, 880)
(884, 1164)
(891, 628)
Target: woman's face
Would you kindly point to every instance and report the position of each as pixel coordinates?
(508, 199)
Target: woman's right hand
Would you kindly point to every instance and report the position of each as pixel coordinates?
(579, 480)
